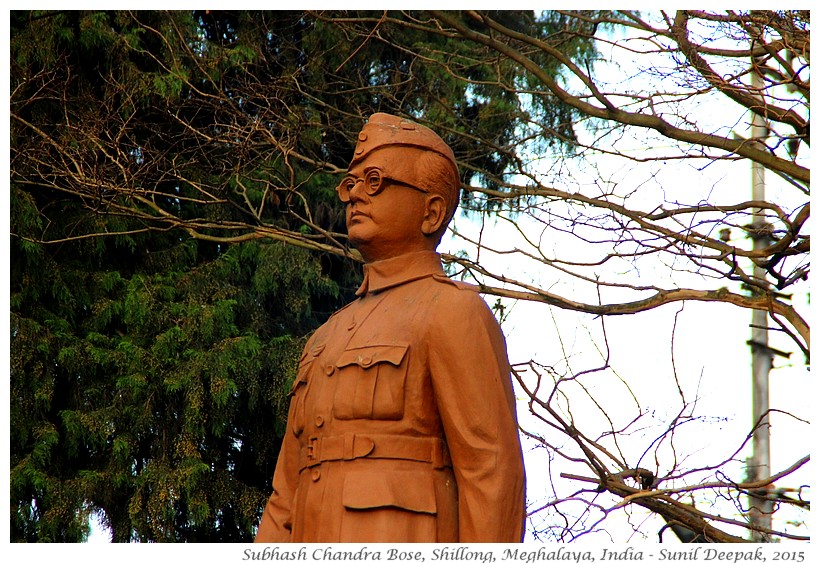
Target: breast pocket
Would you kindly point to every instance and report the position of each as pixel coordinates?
(371, 382)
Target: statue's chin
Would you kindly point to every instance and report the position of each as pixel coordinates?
(361, 233)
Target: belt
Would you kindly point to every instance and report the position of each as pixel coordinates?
(346, 447)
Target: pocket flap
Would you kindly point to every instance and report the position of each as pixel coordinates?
(409, 490)
(301, 375)
(367, 356)
(296, 383)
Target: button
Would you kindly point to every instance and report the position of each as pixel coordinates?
(329, 369)
(315, 475)
(362, 136)
(319, 420)
(366, 361)
(352, 325)
(407, 125)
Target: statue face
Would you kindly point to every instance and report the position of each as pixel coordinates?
(383, 215)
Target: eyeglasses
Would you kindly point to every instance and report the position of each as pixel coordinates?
(373, 181)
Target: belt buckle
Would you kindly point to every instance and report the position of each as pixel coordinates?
(312, 450)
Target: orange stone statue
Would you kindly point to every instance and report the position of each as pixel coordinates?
(402, 424)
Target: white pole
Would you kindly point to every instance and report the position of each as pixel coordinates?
(760, 507)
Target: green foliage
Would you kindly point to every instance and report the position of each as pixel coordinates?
(155, 397)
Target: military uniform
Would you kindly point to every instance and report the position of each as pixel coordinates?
(402, 423)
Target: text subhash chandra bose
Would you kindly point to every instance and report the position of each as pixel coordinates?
(522, 555)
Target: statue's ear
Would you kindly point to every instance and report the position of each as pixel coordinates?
(435, 212)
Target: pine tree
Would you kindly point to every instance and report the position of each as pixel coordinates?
(153, 395)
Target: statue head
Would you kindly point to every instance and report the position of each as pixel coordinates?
(408, 175)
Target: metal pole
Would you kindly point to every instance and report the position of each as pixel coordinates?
(759, 466)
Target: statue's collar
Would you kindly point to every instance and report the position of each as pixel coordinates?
(401, 269)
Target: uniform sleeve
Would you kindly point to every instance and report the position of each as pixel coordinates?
(275, 525)
(473, 389)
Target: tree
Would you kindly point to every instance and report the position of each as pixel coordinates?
(258, 130)
(151, 398)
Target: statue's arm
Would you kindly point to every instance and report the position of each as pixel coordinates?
(471, 378)
(275, 525)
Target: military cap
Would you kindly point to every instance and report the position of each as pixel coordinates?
(385, 130)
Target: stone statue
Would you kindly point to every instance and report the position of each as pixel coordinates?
(402, 424)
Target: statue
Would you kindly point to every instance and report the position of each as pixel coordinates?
(402, 424)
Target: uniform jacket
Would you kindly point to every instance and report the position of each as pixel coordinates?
(402, 424)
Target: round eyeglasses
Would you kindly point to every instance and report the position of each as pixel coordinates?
(373, 183)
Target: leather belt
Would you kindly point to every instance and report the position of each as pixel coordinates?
(350, 446)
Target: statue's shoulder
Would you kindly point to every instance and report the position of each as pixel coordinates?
(463, 286)
(459, 301)
(341, 312)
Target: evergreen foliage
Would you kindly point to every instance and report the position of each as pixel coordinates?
(156, 397)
